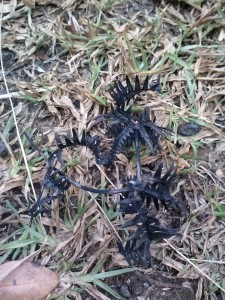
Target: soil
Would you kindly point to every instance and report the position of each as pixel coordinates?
(152, 286)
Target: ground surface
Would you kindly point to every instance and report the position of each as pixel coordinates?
(59, 59)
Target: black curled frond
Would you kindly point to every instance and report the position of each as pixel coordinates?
(55, 184)
(131, 204)
(123, 139)
(72, 140)
(137, 248)
(161, 187)
(123, 94)
(126, 128)
(136, 254)
(151, 188)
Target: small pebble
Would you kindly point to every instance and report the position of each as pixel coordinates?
(146, 285)
(188, 129)
(124, 291)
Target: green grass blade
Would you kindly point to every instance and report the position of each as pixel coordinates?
(92, 277)
(107, 289)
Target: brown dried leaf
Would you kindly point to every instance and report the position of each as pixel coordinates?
(26, 281)
(180, 162)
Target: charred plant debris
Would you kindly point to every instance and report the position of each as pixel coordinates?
(140, 192)
(188, 129)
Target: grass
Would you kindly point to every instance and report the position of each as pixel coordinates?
(83, 48)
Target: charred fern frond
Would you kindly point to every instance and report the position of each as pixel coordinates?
(123, 94)
(124, 125)
(137, 248)
(54, 184)
(124, 130)
(162, 185)
(138, 255)
(72, 140)
(150, 188)
(140, 192)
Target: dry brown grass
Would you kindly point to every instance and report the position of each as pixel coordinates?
(58, 54)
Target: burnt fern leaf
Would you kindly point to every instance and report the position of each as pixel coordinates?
(124, 128)
(140, 191)
(118, 144)
(123, 94)
(136, 255)
(150, 188)
(161, 187)
(137, 248)
(55, 184)
(93, 143)
(126, 121)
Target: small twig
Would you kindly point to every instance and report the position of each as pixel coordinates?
(138, 156)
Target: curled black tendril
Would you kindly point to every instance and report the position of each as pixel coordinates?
(137, 247)
(140, 192)
(126, 127)
(123, 94)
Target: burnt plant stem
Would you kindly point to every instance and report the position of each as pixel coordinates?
(140, 192)
(136, 143)
(90, 189)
